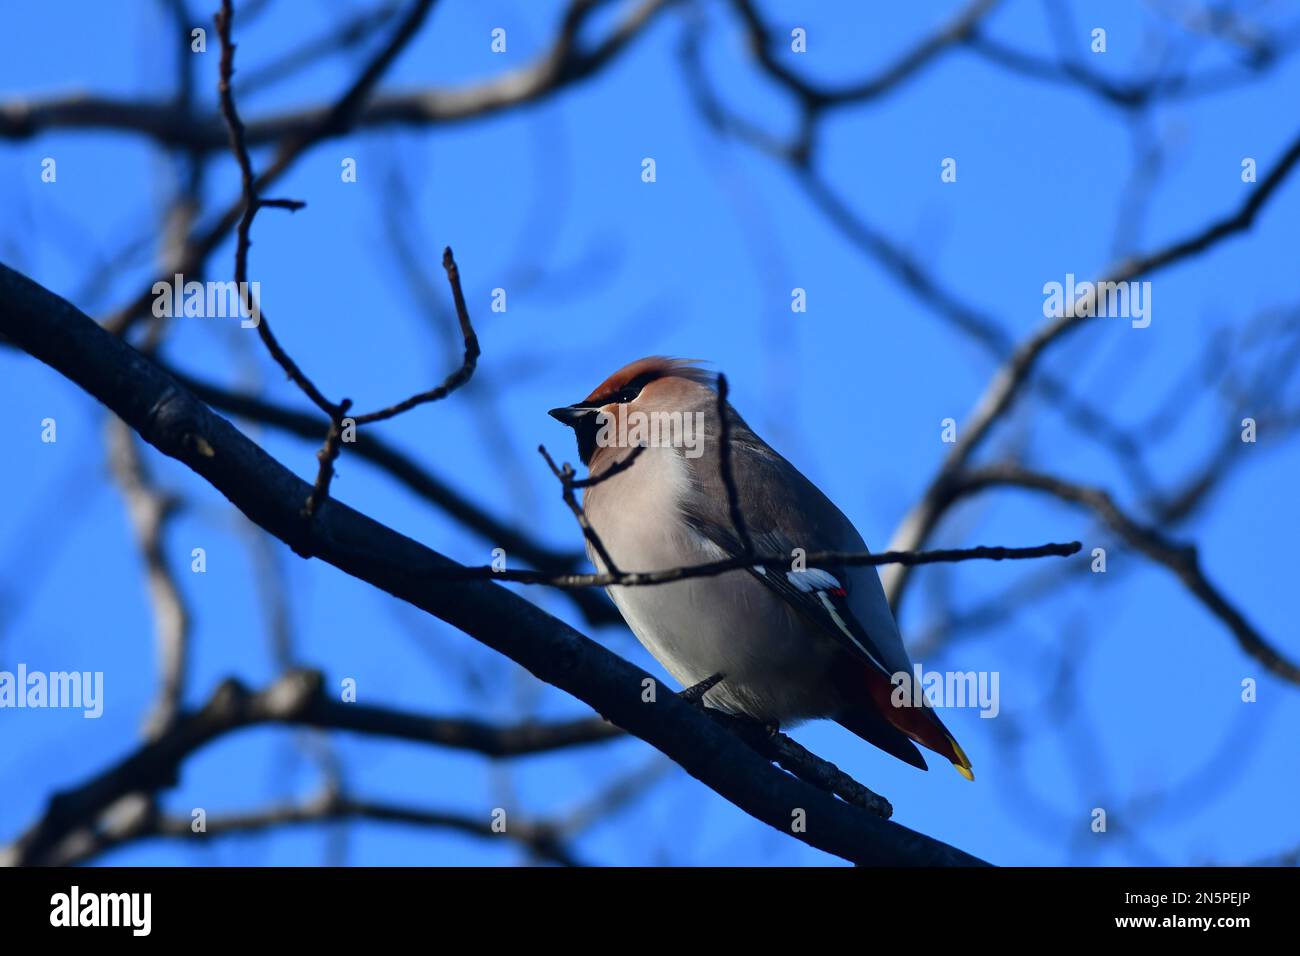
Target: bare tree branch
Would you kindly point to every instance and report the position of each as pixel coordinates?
(738, 561)
(178, 425)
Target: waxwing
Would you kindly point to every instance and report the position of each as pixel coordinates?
(791, 643)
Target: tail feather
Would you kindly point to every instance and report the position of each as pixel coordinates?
(921, 724)
(875, 730)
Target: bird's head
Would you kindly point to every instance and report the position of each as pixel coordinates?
(650, 385)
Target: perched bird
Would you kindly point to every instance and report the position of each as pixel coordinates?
(790, 642)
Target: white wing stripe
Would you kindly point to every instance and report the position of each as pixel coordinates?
(839, 622)
(812, 579)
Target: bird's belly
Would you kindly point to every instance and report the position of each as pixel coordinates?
(773, 668)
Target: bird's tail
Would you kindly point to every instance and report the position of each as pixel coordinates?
(918, 723)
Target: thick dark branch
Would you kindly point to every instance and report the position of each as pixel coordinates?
(180, 426)
(804, 764)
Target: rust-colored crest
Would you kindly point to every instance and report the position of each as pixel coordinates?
(647, 369)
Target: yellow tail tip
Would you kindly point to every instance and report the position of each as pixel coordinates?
(962, 763)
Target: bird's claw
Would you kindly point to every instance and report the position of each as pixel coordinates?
(695, 693)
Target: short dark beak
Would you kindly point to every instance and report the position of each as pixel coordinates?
(571, 415)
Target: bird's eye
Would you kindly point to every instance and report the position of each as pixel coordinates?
(626, 394)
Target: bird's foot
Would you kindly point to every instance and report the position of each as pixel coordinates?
(695, 693)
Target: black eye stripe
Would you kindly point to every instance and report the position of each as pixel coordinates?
(633, 388)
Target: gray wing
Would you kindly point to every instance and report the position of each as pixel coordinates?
(783, 511)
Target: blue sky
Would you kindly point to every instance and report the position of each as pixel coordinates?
(1121, 691)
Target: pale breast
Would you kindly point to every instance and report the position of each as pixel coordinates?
(729, 624)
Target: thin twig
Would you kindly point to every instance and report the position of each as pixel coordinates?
(327, 455)
(724, 467)
(591, 481)
(457, 378)
(565, 475)
(251, 204)
(735, 562)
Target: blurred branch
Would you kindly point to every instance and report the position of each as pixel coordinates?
(1007, 384)
(540, 838)
(1182, 560)
(149, 510)
(563, 65)
(1125, 94)
(980, 327)
(816, 98)
(335, 121)
(336, 37)
(297, 698)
